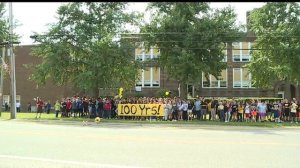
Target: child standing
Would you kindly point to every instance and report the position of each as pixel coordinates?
(253, 114)
(247, 111)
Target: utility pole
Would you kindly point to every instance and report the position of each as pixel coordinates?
(12, 65)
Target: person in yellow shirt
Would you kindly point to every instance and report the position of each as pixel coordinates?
(240, 111)
(210, 117)
(57, 107)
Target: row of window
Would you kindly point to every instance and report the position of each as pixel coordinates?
(241, 79)
(6, 99)
(150, 77)
(240, 53)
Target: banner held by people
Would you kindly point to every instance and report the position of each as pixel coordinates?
(140, 110)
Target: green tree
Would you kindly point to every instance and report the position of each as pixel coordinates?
(83, 49)
(191, 38)
(276, 52)
(5, 36)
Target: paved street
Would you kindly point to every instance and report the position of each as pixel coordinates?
(68, 145)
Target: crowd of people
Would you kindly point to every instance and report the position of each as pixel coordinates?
(176, 109)
(80, 107)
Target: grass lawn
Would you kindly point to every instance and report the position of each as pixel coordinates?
(31, 117)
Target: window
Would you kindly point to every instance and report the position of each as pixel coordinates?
(190, 90)
(149, 77)
(241, 51)
(143, 55)
(213, 82)
(155, 74)
(242, 78)
(6, 99)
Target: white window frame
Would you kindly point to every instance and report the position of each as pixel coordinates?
(241, 56)
(219, 81)
(6, 98)
(242, 80)
(142, 56)
(142, 82)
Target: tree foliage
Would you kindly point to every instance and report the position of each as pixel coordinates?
(82, 48)
(3, 24)
(5, 36)
(191, 38)
(276, 54)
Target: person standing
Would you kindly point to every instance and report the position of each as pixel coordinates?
(29, 107)
(166, 110)
(286, 110)
(74, 107)
(294, 107)
(6, 106)
(175, 111)
(184, 108)
(18, 106)
(221, 111)
(198, 108)
(247, 112)
(48, 107)
(276, 112)
(63, 108)
(107, 109)
(203, 110)
(39, 105)
(57, 107)
(240, 112)
(262, 111)
(190, 110)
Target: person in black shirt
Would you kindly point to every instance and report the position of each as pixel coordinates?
(234, 108)
(63, 108)
(190, 110)
(269, 110)
(203, 109)
(275, 109)
(286, 110)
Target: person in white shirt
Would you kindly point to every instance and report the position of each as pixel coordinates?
(294, 107)
(247, 111)
(184, 108)
(18, 106)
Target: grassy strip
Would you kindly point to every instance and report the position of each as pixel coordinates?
(51, 117)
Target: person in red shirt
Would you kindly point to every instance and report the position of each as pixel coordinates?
(69, 107)
(39, 105)
(107, 109)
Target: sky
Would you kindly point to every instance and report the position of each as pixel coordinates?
(35, 16)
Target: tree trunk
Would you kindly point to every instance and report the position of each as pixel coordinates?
(287, 90)
(182, 90)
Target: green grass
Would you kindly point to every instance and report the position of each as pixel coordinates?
(31, 117)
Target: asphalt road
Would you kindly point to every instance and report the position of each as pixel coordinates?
(71, 145)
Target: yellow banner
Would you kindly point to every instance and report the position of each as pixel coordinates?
(140, 110)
